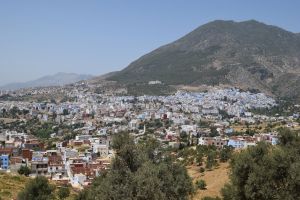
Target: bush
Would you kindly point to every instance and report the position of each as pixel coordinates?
(226, 153)
(63, 192)
(201, 184)
(24, 170)
(202, 170)
(37, 189)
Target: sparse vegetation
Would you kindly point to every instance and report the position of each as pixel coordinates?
(9, 183)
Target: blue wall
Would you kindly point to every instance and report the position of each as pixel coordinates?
(236, 143)
(4, 161)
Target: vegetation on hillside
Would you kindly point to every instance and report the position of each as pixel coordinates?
(144, 170)
(266, 172)
(37, 189)
(146, 89)
(40, 188)
(140, 171)
(207, 157)
(10, 185)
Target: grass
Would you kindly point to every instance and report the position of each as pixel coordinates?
(11, 185)
(214, 179)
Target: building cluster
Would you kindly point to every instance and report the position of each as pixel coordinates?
(76, 161)
(81, 158)
(240, 142)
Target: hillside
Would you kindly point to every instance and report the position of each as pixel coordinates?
(51, 80)
(249, 55)
(215, 180)
(11, 185)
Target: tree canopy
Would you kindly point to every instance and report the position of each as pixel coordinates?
(266, 172)
(37, 189)
(140, 171)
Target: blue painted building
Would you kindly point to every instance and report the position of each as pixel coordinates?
(274, 140)
(236, 143)
(4, 161)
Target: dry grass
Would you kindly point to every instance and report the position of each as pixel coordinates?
(8, 120)
(11, 185)
(214, 179)
(243, 128)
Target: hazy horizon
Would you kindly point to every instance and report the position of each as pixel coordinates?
(44, 38)
(45, 75)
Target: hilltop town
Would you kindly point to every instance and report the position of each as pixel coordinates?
(149, 100)
(69, 140)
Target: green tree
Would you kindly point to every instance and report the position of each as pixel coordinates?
(37, 189)
(266, 172)
(213, 132)
(199, 159)
(24, 170)
(83, 195)
(65, 112)
(63, 192)
(211, 160)
(225, 153)
(140, 171)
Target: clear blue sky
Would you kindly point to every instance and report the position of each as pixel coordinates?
(94, 37)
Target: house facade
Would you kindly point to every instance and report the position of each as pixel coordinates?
(4, 162)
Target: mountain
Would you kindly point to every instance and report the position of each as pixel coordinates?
(51, 80)
(248, 54)
(102, 77)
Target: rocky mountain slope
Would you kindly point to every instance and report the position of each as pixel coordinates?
(249, 55)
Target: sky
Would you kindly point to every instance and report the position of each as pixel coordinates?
(39, 38)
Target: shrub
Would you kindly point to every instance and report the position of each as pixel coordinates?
(24, 170)
(63, 192)
(201, 184)
(37, 189)
(202, 170)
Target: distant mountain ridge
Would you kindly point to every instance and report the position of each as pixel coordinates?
(57, 79)
(248, 54)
